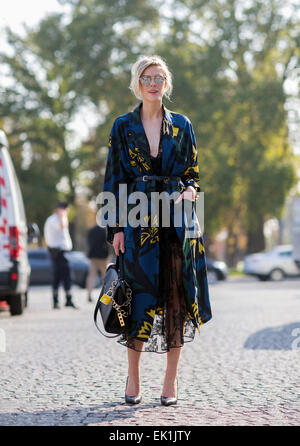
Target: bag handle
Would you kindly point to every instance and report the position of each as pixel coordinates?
(120, 265)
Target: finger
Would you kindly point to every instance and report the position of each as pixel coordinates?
(178, 199)
(122, 247)
(116, 248)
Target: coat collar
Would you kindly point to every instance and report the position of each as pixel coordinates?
(166, 114)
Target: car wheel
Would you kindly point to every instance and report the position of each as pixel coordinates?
(277, 274)
(212, 276)
(26, 299)
(17, 304)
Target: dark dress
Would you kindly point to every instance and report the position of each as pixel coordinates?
(172, 327)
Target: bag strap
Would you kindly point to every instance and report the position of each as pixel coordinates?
(96, 323)
(120, 265)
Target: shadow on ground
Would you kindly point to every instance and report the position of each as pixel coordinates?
(282, 337)
(82, 416)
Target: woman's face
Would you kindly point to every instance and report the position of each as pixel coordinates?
(153, 92)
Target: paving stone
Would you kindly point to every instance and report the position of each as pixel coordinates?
(241, 370)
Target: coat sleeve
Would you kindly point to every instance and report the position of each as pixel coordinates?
(191, 174)
(115, 174)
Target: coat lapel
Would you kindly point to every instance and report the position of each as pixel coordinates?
(167, 143)
(141, 140)
(168, 138)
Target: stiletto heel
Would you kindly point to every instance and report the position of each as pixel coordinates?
(132, 399)
(170, 401)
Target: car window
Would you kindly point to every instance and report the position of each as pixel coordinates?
(77, 255)
(38, 255)
(285, 253)
(19, 204)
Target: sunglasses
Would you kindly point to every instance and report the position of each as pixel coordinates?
(146, 80)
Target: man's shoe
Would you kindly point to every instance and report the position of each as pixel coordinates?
(70, 303)
(55, 300)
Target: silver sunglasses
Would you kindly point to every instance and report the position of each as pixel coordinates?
(146, 80)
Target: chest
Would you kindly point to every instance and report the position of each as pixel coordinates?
(153, 134)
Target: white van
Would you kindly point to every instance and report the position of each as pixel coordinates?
(14, 265)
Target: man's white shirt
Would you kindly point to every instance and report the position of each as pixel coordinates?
(55, 236)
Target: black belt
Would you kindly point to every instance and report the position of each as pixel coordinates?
(165, 179)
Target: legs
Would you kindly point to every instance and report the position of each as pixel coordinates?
(134, 359)
(90, 281)
(54, 255)
(61, 273)
(174, 322)
(95, 266)
(169, 388)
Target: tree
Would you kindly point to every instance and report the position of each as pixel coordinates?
(231, 61)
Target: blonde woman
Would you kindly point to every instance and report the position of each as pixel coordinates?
(152, 149)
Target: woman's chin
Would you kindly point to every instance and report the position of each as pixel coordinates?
(152, 98)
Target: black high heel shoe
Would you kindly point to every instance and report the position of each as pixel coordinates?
(132, 399)
(169, 401)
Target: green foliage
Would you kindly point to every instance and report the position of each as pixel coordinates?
(230, 60)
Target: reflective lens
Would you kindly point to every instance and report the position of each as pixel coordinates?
(146, 80)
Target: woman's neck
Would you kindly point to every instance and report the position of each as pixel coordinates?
(151, 110)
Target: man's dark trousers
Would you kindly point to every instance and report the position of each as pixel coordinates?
(61, 273)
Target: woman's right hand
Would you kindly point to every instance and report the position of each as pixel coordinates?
(118, 242)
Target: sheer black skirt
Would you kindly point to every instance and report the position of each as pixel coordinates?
(172, 326)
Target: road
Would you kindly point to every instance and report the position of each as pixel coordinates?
(243, 368)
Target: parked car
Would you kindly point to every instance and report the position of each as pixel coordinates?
(272, 265)
(41, 267)
(14, 265)
(216, 270)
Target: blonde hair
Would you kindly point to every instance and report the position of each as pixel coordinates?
(140, 66)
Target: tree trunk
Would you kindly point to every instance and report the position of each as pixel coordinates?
(256, 238)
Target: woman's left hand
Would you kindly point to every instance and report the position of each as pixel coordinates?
(189, 194)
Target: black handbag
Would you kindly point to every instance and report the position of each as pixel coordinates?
(114, 301)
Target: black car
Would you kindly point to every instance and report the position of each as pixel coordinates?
(216, 270)
(41, 267)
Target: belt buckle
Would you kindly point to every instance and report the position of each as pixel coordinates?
(166, 180)
(144, 176)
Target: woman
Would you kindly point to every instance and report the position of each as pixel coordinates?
(165, 269)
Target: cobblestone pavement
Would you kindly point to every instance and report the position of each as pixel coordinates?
(243, 369)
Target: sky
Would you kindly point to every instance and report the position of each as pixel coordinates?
(16, 12)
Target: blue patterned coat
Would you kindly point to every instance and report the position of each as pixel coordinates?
(128, 158)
